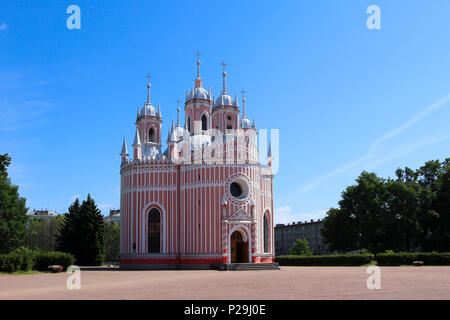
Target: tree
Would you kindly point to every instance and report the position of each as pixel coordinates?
(13, 212)
(83, 233)
(301, 247)
(112, 242)
(411, 212)
(339, 231)
(42, 234)
(442, 207)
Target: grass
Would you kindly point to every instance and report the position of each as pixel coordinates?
(23, 272)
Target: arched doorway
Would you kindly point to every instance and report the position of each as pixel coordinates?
(266, 233)
(239, 248)
(154, 234)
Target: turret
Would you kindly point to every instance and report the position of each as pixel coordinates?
(137, 146)
(225, 111)
(124, 153)
(198, 105)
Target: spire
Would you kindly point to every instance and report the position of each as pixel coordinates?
(254, 123)
(198, 54)
(198, 81)
(236, 100)
(178, 112)
(172, 134)
(243, 103)
(159, 111)
(224, 75)
(124, 148)
(148, 87)
(138, 112)
(210, 94)
(137, 138)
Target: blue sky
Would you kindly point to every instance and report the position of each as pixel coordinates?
(345, 98)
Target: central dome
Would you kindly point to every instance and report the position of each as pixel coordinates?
(148, 110)
(199, 93)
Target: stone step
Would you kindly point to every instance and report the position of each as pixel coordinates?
(246, 266)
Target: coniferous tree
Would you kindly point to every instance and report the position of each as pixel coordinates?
(83, 233)
(13, 212)
(68, 239)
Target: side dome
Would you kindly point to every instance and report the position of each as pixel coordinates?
(224, 100)
(245, 123)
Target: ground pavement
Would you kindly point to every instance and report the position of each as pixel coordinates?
(288, 283)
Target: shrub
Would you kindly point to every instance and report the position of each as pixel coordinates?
(13, 262)
(45, 259)
(407, 258)
(326, 260)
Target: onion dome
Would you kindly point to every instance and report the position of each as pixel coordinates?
(148, 110)
(224, 100)
(198, 93)
(245, 123)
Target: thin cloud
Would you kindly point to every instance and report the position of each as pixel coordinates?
(371, 154)
(3, 26)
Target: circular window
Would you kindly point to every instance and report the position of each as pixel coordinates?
(235, 190)
(239, 189)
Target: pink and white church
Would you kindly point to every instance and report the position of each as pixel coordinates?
(204, 201)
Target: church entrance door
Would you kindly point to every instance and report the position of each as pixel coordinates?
(239, 248)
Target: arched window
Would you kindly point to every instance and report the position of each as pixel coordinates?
(189, 124)
(204, 123)
(266, 233)
(151, 135)
(154, 238)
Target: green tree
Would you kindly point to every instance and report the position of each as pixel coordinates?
(339, 230)
(112, 242)
(83, 233)
(442, 207)
(301, 247)
(13, 212)
(42, 234)
(404, 214)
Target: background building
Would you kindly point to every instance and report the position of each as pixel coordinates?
(286, 234)
(114, 216)
(42, 214)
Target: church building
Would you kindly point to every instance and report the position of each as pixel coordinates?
(206, 199)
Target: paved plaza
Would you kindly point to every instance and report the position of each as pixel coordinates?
(287, 283)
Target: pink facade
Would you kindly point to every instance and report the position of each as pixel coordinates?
(206, 199)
